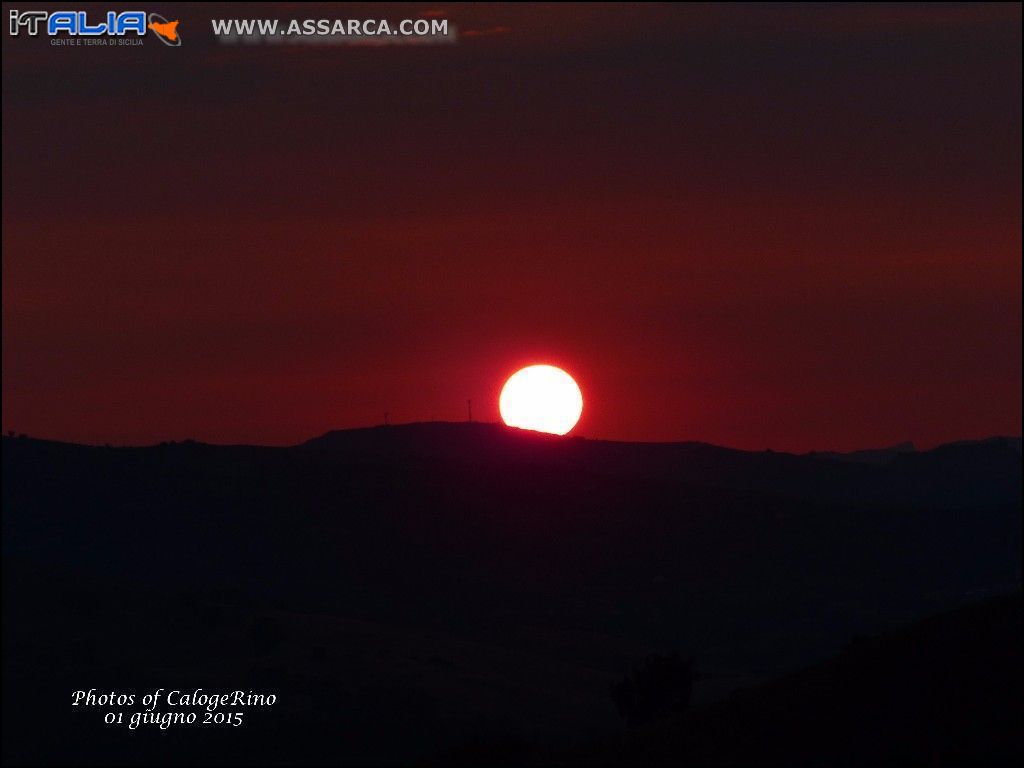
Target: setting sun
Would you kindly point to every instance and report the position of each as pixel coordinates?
(542, 398)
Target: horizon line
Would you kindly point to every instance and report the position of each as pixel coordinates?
(908, 446)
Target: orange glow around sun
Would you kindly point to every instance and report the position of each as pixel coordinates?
(542, 398)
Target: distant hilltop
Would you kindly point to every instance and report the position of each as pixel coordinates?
(958, 475)
(869, 455)
(955, 475)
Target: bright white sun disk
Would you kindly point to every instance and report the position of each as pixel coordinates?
(542, 398)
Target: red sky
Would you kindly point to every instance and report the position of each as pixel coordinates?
(786, 227)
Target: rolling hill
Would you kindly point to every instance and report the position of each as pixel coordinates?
(417, 586)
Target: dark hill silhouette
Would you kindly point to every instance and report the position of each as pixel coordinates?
(411, 588)
(869, 455)
(956, 475)
(946, 690)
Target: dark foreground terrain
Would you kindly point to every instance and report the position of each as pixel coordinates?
(443, 591)
(944, 690)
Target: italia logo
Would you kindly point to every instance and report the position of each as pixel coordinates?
(79, 24)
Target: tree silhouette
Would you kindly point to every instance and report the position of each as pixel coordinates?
(661, 685)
